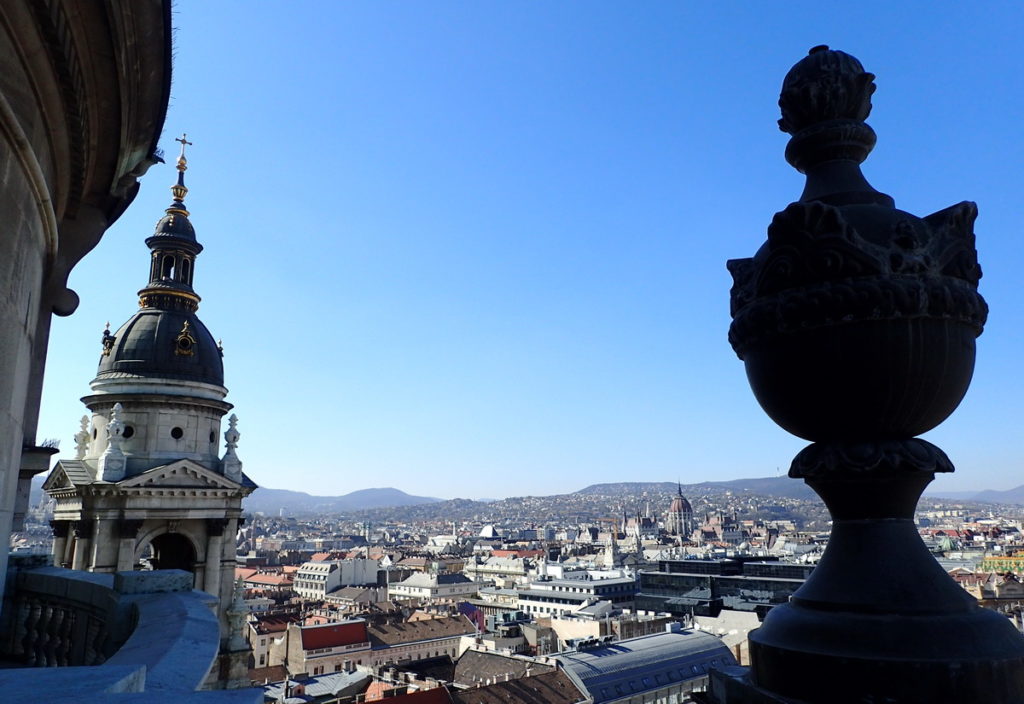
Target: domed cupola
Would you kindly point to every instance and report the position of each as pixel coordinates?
(165, 339)
(679, 502)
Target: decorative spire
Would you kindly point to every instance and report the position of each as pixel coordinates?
(178, 190)
(174, 249)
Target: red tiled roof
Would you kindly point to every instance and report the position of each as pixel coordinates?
(438, 695)
(274, 623)
(272, 579)
(517, 553)
(332, 635)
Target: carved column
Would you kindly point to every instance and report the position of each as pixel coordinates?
(60, 541)
(127, 532)
(83, 534)
(857, 324)
(215, 536)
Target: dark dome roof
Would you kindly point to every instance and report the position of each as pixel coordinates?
(164, 344)
(175, 224)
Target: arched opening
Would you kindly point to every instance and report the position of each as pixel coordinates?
(167, 267)
(186, 272)
(171, 551)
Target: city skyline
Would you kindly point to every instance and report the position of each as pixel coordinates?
(479, 252)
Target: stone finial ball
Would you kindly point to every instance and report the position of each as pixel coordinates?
(825, 85)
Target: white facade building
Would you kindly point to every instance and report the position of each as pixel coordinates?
(435, 586)
(316, 579)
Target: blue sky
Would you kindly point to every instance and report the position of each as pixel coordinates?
(478, 249)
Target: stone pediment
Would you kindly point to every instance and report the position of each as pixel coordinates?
(179, 475)
(68, 474)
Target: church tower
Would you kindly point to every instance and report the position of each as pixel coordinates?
(148, 487)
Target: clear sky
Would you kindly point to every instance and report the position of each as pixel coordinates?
(478, 249)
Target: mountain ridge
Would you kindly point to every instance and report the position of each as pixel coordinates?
(267, 500)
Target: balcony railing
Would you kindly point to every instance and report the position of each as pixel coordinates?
(124, 637)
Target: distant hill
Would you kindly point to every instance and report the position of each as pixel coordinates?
(1009, 496)
(782, 487)
(271, 501)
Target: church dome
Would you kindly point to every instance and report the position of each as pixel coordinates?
(175, 224)
(164, 344)
(165, 339)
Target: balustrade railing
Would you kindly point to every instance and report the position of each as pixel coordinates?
(98, 637)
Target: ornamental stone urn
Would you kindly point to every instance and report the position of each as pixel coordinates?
(857, 322)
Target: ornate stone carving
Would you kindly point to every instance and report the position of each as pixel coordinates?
(879, 458)
(857, 323)
(824, 86)
(232, 466)
(112, 462)
(237, 614)
(82, 438)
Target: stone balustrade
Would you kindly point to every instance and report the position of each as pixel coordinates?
(124, 637)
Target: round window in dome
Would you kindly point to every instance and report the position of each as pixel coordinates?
(177, 433)
(128, 431)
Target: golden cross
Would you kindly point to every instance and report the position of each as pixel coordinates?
(183, 143)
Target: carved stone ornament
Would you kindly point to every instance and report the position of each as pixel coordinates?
(112, 462)
(857, 324)
(855, 319)
(230, 464)
(82, 438)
